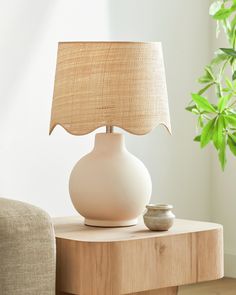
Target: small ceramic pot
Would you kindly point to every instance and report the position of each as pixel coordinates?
(159, 217)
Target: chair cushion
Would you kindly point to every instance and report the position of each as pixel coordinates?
(27, 250)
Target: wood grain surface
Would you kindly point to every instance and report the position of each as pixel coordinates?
(225, 286)
(72, 228)
(104, 261)
(165, 291)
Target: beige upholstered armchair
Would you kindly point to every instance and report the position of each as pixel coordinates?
(27, 250)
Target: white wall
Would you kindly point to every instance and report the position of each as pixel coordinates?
(35, 167)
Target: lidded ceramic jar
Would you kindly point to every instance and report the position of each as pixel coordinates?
(158, 217)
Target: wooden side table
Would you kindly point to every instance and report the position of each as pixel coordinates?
(134, 260)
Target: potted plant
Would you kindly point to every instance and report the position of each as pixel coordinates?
(216, 119)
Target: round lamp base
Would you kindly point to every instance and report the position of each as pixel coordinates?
(110, 187)
(106, 223)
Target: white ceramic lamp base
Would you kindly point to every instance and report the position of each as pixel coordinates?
(110, 187)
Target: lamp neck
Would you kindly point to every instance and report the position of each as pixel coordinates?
(109, 142)
(109, 129)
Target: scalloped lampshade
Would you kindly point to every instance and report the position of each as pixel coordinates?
(110, 83)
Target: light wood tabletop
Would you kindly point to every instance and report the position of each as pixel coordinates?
(134, 260)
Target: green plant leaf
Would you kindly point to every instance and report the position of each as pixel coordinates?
(204, 89)
(229, 83)
(197, 138)
(215, 7)
(222, 14)
(190, 108)
(230, 119)
(234, 76)
(193, 109)
(233, 7)
(222, 154)
(218, 132)
(204, 79)
(231, 60)
(232, 145)
(229, 112)
(208, 76)
(207, 133)
(233, 23)
(200, 121)
(220, 57)
(231, 31)
(222, 102)
(233, 136)
(208, 70)
(203, 103)
(229, 51)
(226, 89)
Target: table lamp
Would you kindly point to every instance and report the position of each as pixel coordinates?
(110, 84)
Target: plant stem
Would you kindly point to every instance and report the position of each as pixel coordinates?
(219, 86)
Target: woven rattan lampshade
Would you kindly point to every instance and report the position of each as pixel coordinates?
(110, 83)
